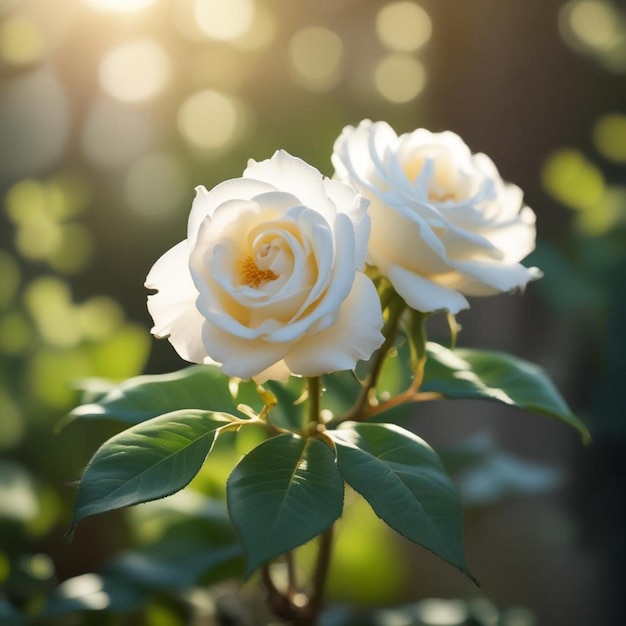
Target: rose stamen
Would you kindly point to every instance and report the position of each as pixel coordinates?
(252, 276)
(443, 196)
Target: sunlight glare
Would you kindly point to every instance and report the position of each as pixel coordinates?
(134, 71)
(121, 6)
(224, 19)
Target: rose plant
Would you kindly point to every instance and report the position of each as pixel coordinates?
(316, 291)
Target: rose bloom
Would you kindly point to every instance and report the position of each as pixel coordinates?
(444, 224)
(268, 282)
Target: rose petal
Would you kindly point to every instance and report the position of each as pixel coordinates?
(241, 357)
(278, 371)
(338, 286)
(355, 205)
(424, 295)
(206, 202)
(517, 238)
(405, 239)
(490, 278)
(293, 175)
(173, 308)
(354, 336)
(358, 154)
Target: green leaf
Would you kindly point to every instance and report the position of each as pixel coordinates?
(486, 375)
(144, 397)
(405, 483)
(151, 460)
(282, 494)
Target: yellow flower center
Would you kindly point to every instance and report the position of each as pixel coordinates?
(252, 276)
(441, 196)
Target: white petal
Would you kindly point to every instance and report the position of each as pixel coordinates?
(517, 238)
(354, 336)
(288, 173)
(358, 154)
(243, 358)
(491, 278)
(173, 308)
(355, 206)
(206, 202)
(405, 239)
(278, 371)
(424, 295)
(338, 285)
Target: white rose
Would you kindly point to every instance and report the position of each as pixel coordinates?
(444, 224)
(268, 281)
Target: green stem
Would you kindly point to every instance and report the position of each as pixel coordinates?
(316, 601)
(390, 330)
(315, 388)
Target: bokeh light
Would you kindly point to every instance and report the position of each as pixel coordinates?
(592, 23)
(99, 317)
(400, 78)
(134, 71)
(224, 20)
(18, 500)
(572, 179)
(74, 249)
(403, 26)
(609, 137)
(21, 42)
(39, 210)
(437, 612)
(211, 121)
(596, 28)
(156, 185)
(34, 122)
(114, 134)
(122, 6)
(261, 32)
(316, 54)
(48, 300)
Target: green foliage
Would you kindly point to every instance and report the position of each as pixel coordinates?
(151, 460)
(144, 397)
(486, 375)
(406, 485)
(283, 493)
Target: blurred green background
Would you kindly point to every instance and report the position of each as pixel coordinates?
(111, 111)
